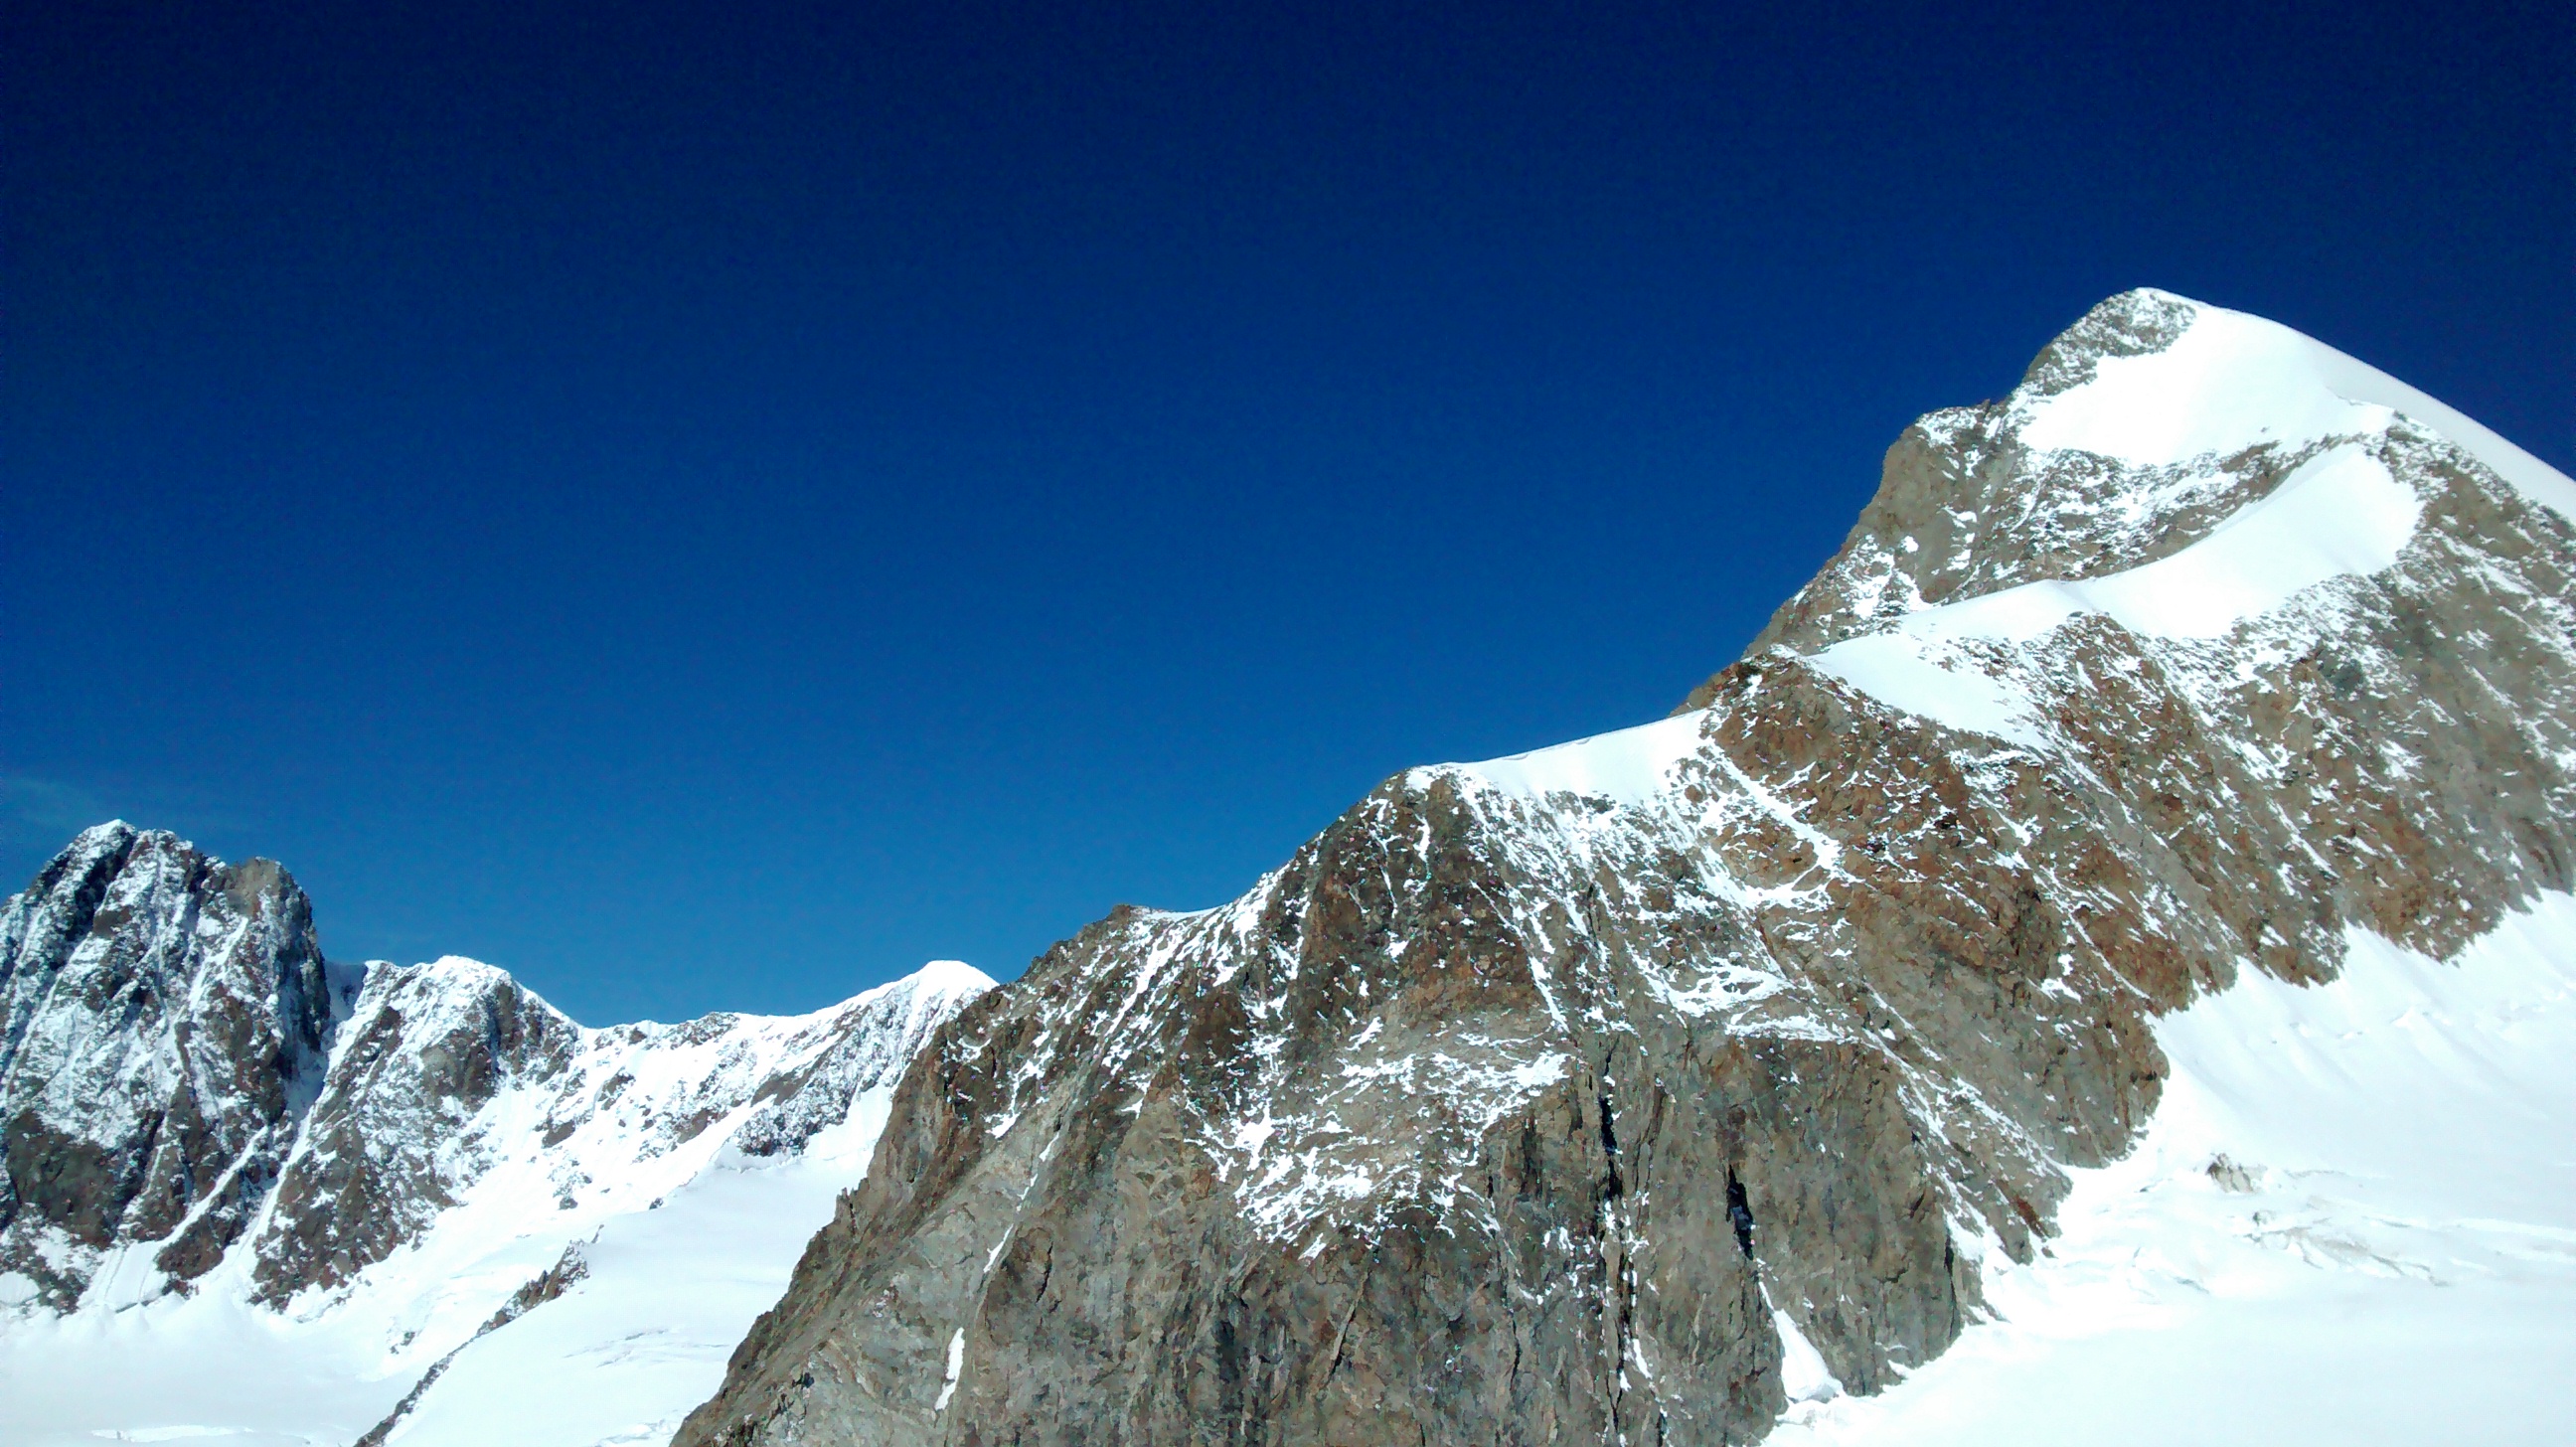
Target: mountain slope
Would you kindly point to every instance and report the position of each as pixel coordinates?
(432, 1171)
(2353, 1219)
(1639, 1086)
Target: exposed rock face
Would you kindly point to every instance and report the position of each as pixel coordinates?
(1554, 1097)
(164, 1022)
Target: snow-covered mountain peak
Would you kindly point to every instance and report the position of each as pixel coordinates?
(98, 840)
(1642, 1086)
(2151, 428)
(165, 1019)
(2156, 380)
(2177, 469)
(2170, 470)
(221, 1146)
(448, 976)
(943, 979)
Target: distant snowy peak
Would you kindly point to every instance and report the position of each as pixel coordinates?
(164, 1022)
(220, 1146)
(450, 1073)
(747, 1126)
(223, 1149)
(183, 1078)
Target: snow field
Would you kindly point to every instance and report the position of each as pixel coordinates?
(2352, 1219)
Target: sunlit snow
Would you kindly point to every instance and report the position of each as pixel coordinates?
(2229, 382)
(2339, 514)
(1628, 766)
(2233, 381)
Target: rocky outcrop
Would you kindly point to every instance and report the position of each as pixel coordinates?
(1574, 1094)
(164, 1022)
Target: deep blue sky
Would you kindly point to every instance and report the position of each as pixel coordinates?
(708, 506)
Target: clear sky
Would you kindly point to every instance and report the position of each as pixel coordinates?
(707, 506)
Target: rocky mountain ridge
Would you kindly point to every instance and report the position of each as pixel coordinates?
(377, 1158)
(1640, 1087)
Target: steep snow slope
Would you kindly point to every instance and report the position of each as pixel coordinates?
(2353, 1219)
(1653, 1086)
(473, 1182)
(666, 1293)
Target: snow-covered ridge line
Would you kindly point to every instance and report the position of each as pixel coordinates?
(468, 975)
(672, 1284)
(1629, 766)
(2174, 415)
(2228, 382)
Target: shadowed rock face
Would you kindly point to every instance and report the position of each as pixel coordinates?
(164, 1020)
(1535, 1100)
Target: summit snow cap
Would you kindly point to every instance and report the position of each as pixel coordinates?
(2168, 468)
(2223, 381)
